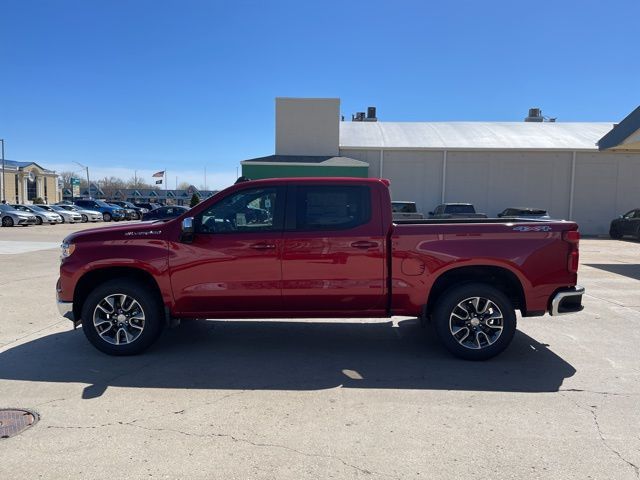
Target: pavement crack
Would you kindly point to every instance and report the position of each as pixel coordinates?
(593, 411)
(264, 445)
(596, 392)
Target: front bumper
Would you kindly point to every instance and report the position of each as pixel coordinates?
(567, 300)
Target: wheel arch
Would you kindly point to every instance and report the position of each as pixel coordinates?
(93, 278)
(501, 278)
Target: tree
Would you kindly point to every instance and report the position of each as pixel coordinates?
(195, 200)
(183, 186)
(66, 177)
(110, 185)
(38, 201)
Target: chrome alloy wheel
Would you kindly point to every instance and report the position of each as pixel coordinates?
(476, 323)
(118, 319)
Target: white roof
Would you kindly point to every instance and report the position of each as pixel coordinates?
(473, 135)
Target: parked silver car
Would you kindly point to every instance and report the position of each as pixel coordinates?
(67, 216)
(10, 217)
(87, 215)
(42, 215)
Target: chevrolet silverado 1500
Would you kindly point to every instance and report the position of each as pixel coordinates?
(312, 247)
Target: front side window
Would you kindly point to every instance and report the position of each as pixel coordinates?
(251, 210)
(332, 207)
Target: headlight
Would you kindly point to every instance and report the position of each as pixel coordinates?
(67, 250)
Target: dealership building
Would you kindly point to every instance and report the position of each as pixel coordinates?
(24, 182)
(583, 171)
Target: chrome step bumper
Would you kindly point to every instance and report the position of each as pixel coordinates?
(567, 301)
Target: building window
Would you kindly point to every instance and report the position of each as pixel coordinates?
(17, 195)
(45, 189)
(32, 189)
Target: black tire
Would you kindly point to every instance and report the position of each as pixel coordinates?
(106, 217)
(613, 233)
(38, 221)
(7, 221)
(149, 303)
(484, 331)
(85, 219)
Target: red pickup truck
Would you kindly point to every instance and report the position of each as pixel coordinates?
(317, 247)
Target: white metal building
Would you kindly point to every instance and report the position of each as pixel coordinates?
(552, 165)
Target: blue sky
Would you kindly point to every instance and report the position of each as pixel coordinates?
(181, 85)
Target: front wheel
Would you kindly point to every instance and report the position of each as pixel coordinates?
(106, 217)
(475, 321)
(614, 233)
(121, 317)
(38, 221)
(85, 219)
(7, 221)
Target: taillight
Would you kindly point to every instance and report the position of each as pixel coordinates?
(572, 237)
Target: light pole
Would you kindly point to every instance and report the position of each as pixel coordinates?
(88, 182)
(4, 186)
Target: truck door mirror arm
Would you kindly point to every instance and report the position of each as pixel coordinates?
(188, 231)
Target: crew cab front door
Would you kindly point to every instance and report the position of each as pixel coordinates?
(232, 264)
(333, 257)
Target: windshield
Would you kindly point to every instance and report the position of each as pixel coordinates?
(103, 204)
(7, 208)
(403, 207)
(36, 208)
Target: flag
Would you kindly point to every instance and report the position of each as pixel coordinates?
(158, 182)
(158, 174)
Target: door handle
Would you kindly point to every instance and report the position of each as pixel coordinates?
(364, 244)
(263, 246)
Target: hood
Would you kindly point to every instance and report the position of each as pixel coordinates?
(148, 230)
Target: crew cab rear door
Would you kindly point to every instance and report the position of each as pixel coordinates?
(232, 264)
(333, 256)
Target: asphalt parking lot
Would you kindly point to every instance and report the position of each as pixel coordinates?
(321, 399)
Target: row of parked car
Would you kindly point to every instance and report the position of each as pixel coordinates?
(409, 211)
(83, 211)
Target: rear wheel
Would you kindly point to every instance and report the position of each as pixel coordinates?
(475, 321)
(106, 217)
(7, 221)
(121, 317)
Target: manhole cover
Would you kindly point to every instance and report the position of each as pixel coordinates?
(13, 421)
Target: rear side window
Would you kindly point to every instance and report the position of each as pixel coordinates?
(319, 207)
(460, 209)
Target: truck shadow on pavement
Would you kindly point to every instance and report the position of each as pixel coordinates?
(285, 355)
(630, 270)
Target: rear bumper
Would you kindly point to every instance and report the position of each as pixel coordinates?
(567, 300)
(66, 310)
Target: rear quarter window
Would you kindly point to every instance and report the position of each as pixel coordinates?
(332, 207)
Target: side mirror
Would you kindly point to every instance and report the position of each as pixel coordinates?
(188, 230)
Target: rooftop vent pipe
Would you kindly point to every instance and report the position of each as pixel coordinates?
(535, 115)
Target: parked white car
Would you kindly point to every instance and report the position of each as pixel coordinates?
(42, 215)
(10, 217)
(87, 215)
(67, 216)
